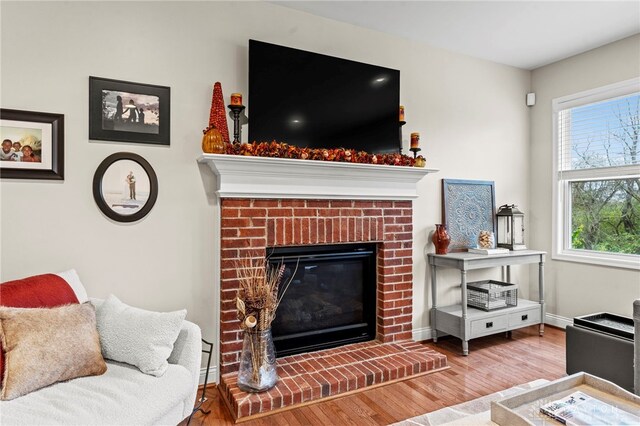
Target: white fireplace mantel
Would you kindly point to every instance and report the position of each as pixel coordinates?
(260, 177)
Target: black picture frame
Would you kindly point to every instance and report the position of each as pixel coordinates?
(468, 207)
(109, 121)
(117, 207)
(50, 127)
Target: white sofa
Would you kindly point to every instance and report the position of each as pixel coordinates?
(121, 396)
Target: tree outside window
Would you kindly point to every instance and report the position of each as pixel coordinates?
(598, 173)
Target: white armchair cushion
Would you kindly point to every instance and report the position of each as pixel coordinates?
(72, 278)
(137, 336)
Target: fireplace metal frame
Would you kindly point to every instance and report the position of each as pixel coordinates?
(335, 336)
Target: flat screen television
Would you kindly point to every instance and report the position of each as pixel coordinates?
(318, 101)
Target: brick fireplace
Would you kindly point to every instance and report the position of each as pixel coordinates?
(267, 203)
(249, 226)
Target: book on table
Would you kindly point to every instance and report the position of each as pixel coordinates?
(581, 409)
(489, 251)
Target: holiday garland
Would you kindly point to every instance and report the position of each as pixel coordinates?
(284, 150)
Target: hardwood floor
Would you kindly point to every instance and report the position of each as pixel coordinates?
(494, 363)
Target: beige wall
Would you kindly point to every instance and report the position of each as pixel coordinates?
(576, 288)
(471, 115)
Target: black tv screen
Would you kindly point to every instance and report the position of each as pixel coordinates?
(318, 101)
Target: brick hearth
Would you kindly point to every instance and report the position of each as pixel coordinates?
(249, 226)
(327, 373)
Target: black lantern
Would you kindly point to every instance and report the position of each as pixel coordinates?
(510, 227)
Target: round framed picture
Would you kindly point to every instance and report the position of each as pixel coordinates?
(125, 187)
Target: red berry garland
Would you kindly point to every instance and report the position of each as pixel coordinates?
(283, 150)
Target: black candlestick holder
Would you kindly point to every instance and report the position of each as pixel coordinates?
(402, 123)
(415, 151)
(235, 112)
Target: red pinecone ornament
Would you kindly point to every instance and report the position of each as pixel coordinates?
(217, 115)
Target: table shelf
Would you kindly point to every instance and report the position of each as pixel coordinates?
(468, 323)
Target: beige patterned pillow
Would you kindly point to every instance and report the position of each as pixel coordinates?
(48, 345)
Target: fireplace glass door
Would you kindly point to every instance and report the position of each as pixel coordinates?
(331, 297)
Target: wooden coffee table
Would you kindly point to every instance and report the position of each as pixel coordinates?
(524, 409)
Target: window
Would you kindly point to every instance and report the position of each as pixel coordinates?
(597, 176)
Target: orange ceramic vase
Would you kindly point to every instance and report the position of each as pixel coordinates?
(441, 239)
(212, 142)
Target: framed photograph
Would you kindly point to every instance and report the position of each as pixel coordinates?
(32, 145)
(125, 187)
(123, 111)
(468, 207)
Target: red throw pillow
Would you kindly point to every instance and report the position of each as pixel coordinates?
(39, 291)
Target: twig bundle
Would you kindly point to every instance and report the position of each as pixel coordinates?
(257, 301)
(257, 298)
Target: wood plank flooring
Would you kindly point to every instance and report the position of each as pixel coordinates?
(494, 363)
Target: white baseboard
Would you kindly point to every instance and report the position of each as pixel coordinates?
(557, 320)
(213, 375)
(419, 334)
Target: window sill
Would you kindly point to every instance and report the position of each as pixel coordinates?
(601, 259)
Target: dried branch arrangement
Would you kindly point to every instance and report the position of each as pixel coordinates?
(257, 301)
(257, 298)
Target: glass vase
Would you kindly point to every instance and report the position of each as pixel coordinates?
(486, 240)
(257, 371)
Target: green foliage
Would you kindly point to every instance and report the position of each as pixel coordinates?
(577, 242)
(606, 216)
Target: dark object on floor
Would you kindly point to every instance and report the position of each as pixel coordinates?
(202, 399)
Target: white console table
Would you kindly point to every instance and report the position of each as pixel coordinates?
(468, 323)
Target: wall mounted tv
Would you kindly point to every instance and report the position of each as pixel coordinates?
(318, 101)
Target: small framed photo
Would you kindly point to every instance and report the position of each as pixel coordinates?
(125, 187)
(123, 111)
(32, 145)
(468, 207)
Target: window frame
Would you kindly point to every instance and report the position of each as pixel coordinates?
(561, 224)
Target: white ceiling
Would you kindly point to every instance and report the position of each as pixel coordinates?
(524, 34)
